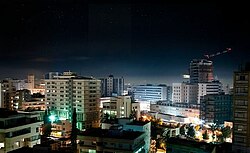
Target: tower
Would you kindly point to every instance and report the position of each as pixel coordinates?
(201, 70)
(241, 109)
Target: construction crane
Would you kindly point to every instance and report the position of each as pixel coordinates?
(218, 53)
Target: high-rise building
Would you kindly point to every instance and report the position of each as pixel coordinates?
(8, 92)
(20, 97)
(68, 91)
(241, 106)
(214, 87)
(201, 70)
(185, 93)
(112, 86)
(216, 108)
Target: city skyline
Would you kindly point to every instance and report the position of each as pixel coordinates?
(144, 42)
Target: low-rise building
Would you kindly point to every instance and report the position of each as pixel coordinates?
(177, 145)
(129, 124)
(61, 128)
(116, 107)
(176, 109)
(18, 130)
(111, 140)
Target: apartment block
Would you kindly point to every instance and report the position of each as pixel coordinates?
(68, 91)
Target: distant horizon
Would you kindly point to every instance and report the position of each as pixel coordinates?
(133, 80)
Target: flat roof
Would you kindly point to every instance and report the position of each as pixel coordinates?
(106, 133)
(138, 123)
(190, 143)
(5, 113)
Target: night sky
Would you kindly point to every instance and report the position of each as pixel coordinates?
(146, 41)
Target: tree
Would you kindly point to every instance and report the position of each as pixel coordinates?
(133, 114)
(205, 135)
(197, 127)
(191, 132)
(46, 129)
(226, 132)
(183, 130)
(178, 125)
(74, 131)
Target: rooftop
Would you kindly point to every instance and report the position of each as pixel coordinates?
(5, 113)
(138, 123)
(105, 133)
(190, 143)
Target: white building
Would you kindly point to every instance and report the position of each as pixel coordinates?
(69, 91)
(111, 140)
(146, 94)
(149, 93)
(132, 125)
(18, 130)
(208, 88)
(177, 109)
(117, 107)
(184, 93)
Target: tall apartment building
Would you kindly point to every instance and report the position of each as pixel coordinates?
(201, 70)
(185, 93)
(116, 107)
(68, 91)
(241, 106)
(18, 130)
(8, 92)
(214, 87)
(112, 86)
(216, 108)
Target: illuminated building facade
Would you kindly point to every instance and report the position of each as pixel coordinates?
(8, 92)
(201, 70)
(116, 107)
(68, 91)
(176, 109)
(241, 106)
(18, 130)
(150, 93)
